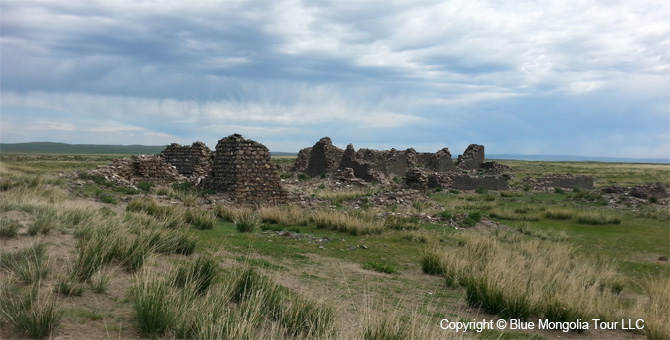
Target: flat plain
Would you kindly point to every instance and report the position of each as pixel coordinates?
(84, 258)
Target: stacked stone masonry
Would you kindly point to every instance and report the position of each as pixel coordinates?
(385, 165)
(128, 172)
(194, 162)
(472, 158)
(243, 169)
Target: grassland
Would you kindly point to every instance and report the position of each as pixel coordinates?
(84, 258)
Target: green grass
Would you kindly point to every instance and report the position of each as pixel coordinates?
(381, 267)
(30, 264)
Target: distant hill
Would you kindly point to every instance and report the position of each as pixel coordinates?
(48, 147)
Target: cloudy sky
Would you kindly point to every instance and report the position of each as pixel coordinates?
(576, 77)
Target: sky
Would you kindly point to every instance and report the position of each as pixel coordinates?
(578, 77)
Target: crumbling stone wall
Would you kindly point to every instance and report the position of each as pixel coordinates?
(127, 172)
(362, 169)
(324, 158)
(560, 181)
(243, 169)
(657, 189)
(194, 162)
(472, 158)
(467, 182)
(441, 161)
(302, 160)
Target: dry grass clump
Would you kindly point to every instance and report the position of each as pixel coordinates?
(29, 264)
(285, 215)
(593, 217)
(529, 278)
(247, 221)
(341, 221)
(339, 196)
(559, 213)
(549, 235)
(249, 306)
(513, 214)
(654, 310)
(200, 219)
(9, 227)
(35, 314)
(229, 213)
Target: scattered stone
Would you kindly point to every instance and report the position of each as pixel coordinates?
(560, 181)
(663, 258)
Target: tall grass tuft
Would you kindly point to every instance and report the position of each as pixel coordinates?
(340, 221)
(654, 311)
(152, 306)
(247, 222)
(229, 214)
(522, 280)
(286, 215)
(9, 227)
(34, 314)
(29, 264)
(200, 219)
(597, 218)
(386, 327)
(307, 318)
(200, 273)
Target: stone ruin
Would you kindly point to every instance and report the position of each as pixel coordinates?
(194, 162)
(323, 158)
(420, 169)
(645, 191)
(128, 172)
(243, 169)
(567, 181)
(472, 158)
(239, 168)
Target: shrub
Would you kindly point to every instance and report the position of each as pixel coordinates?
(303, 177)
(454, 191)
(653, 199)
(559, 191)
(9, 227)
(481, 190)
